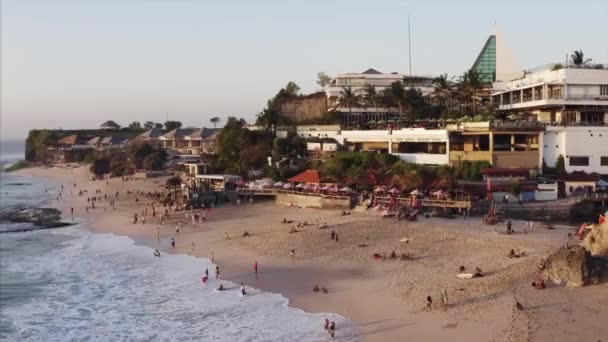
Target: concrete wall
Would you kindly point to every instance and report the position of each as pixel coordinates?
(546, 192)
(509, 159)
(456, 156)
(569, 141)
(311, 201)
(424, 158)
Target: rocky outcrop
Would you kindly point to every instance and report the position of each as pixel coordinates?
(573, 266)
(40, 217)
(596, 240)
(303, 108)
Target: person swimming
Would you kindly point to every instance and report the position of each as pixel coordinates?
(221, 287)
(157, 253)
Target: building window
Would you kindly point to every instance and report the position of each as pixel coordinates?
(579, 161)
(604, 161)
(604, 90)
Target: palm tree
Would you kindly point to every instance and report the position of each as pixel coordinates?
(470, 87)
(443, 90)
(349, 98)
(397, 95)
(577, 58)
(371, 97)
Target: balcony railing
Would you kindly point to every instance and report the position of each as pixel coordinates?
(517, 125)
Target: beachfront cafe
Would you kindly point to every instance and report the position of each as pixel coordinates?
(218, 182)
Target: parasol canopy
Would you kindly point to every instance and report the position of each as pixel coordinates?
(415, 193)
(287, 186)
(394, 191)
(380, 188)
(346, 189)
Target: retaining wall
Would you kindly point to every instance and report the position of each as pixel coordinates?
(312, 201)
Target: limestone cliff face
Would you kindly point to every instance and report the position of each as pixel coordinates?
(573, 266)
(303, 108)
(596, 241)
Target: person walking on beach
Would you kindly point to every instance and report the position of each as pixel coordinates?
(444, 299)
(72, 213)
(509, 227)
(429, 303)
(292, 253)
(217, 272)
(243, 292)
(255, 267)
(212, 256)
(172, 242)
(207, 272)
(332, 329)
(192, 247)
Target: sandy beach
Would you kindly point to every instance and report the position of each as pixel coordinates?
(386, 298)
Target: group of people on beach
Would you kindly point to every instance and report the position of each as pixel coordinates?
(444, 301)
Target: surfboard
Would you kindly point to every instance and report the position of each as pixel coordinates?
(465, 275)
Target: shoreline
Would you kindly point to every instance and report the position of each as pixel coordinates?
(384, 299)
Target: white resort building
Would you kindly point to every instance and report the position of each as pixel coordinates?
(414, 145)
(366, 111)
(573, 102)
(563, 96)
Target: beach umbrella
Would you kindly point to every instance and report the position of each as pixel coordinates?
(326, 188)
(279, 184)
(439, 193)
(346, 189)
(415, 193)
(300, 186)
(307, 187)
(315, 187)
(334, 188)
(394, 191)
(287, 186)
(380, 188)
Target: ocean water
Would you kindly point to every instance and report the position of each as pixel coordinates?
(11, 151)
(70, 284)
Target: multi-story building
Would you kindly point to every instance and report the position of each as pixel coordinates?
(365, 111)
(573, 103)
(415, 145)
(503, 144)
(584, 148)
(571, 96)
(191, 140)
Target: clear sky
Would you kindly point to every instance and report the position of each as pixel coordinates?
(77, 63)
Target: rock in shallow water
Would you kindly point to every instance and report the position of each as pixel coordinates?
(41, 217)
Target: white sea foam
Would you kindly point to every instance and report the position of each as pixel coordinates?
(103, 287)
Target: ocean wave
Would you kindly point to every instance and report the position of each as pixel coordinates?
(105, 287)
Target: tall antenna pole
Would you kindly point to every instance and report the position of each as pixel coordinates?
(409, 41)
